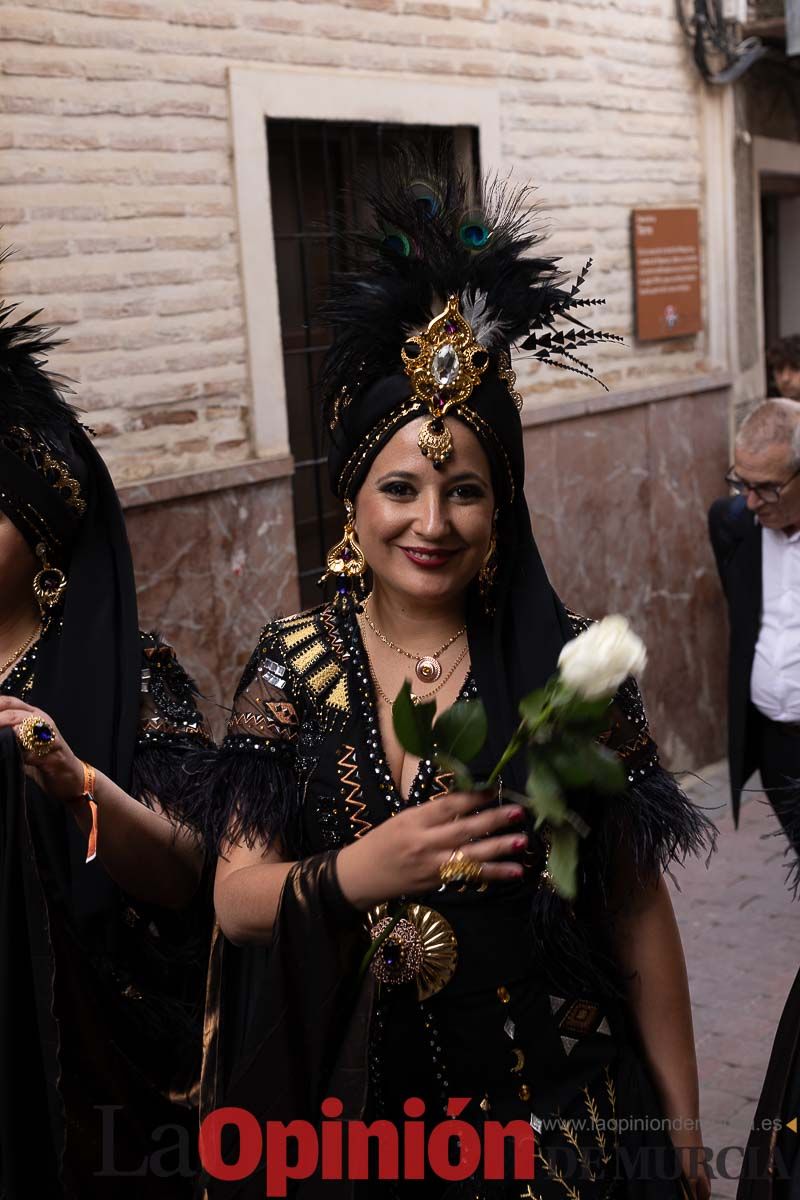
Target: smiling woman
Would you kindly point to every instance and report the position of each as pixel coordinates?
(495, 988)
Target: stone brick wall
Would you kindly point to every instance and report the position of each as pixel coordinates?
(117, 183)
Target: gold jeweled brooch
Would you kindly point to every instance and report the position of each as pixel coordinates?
(445, 365)
(421, 947)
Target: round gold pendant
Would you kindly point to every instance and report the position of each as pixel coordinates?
(435, 441)
(428, 669)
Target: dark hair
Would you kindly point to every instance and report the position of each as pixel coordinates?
(784, 353)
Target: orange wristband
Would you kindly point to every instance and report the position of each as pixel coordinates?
(89, 780)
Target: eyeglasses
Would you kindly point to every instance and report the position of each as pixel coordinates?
(768, 493)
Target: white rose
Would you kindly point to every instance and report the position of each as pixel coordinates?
(596, 662)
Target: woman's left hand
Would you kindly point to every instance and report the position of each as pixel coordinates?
(59, 772)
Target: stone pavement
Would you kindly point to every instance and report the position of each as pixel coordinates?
(741, 935)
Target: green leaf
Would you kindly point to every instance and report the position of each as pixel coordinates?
(532, 706)
(562, 861)
(461, 775)
(572, 762)
(413, 723)
(461, 730)
(589, 715)
(544, 792)
(608, 772)
(560, 698)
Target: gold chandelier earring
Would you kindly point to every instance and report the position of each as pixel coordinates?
(49, 585)
(488, 571)
(345, 561)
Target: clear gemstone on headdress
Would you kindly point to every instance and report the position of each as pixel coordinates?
(445, 365)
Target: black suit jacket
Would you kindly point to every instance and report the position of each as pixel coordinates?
(736, 540)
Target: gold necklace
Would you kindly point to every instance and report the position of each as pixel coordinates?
(427, 666)
(414, 698)
(18, 653)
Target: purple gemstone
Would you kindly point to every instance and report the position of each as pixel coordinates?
(450, 327)
(440, 402)
(392, 955)
(342, 591)
(347, 555)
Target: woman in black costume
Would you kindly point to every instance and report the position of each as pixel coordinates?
(530, 1012)
(101, 975)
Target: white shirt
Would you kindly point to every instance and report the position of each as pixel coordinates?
(775, 679)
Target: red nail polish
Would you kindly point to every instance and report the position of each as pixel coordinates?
(519, 842)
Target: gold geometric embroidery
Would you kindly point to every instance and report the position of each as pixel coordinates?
(301, 634)
(611, 1090)
(443, 781)
(165, 725)
(569, 1133)
(289, 622)
(256, 724)
(321, 678)
(579, 1019)
(284, 714)
(591, 1106)
(339, 697)
(348, 774)
(328, 619)
(554, 1172)
(306, 657)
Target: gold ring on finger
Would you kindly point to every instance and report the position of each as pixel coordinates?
(459, 868)
(37, 736)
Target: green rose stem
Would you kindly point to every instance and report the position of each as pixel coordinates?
(524, 733)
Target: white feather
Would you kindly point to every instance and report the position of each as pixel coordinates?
(486, 327)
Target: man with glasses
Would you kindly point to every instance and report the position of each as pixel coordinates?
(755, 534)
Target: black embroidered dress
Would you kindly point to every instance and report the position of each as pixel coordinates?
(532, 1025)
(112, 1023)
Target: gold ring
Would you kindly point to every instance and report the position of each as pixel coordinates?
(37, 736)
(460, 869)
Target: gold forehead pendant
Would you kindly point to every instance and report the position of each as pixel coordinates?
(445, 365)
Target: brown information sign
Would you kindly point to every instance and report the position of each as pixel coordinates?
(666, 252)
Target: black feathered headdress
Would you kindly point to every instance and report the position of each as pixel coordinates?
(29, 395)
(42, 480)
(443, 286)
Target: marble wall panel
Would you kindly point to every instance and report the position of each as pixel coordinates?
(619, 505)
(211, 571)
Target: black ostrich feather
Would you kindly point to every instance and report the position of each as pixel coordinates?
(432, 233)
(30, 396)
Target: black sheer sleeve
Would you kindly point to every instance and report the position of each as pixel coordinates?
(252, 792)
(653, 824)
(172, 730)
